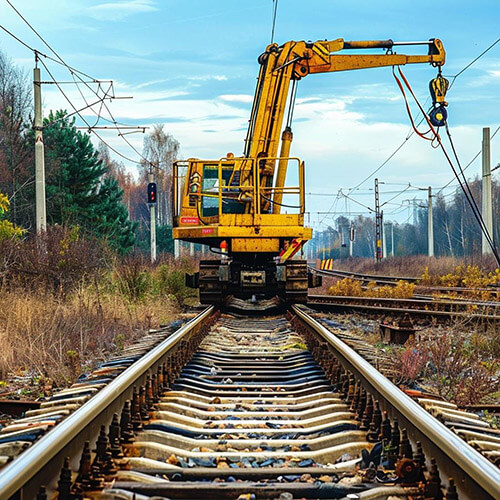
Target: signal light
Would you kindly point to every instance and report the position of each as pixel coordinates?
(152, 192)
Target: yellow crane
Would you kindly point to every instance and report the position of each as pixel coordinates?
(241, 206)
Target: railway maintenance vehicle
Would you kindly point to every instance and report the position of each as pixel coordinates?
(241, 206)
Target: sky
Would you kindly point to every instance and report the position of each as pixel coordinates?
(192, 65)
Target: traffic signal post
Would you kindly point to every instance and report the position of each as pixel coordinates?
(152, 213)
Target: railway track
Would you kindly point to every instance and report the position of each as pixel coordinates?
(375, 278)
(263, 407)
(393, 280)
(443, 310)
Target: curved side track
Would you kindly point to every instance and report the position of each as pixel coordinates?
(393, 281)
(262, 407)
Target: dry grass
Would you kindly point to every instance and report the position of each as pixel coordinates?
(54, 338)
(348, 287)
(414, 266)
(66, 300)
(456, 362)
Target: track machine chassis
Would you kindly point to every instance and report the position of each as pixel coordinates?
(219, 280)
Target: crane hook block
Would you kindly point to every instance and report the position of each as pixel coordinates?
(438, 87)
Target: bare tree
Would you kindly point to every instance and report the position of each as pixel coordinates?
(161, 150)
(16, 170)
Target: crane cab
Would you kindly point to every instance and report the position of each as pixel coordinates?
(228, 202)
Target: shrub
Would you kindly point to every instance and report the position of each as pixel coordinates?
(171, 282)
(347, 287)
(410, 362)
(7, 229)
(353, 288)
(57, 261)
(133, 276)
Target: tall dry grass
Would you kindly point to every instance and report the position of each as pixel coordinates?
(66, 302)
(46, 336)
(413, 266)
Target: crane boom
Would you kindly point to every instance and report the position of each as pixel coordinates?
(281, 65)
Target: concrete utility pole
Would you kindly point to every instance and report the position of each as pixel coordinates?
(41, 210)
(152, 222)
(487, 206)
(430, 224)
(392, 239)
(351, 239)
(384, 241)
(378, 226)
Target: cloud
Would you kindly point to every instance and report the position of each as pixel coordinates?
(246, 98)
(204, 78)
(117, 11)
(337, 140)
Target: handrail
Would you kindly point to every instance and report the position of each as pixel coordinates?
(250, 183)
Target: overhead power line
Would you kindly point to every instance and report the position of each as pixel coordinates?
(470, 163)
(454, 77)
(465, 68)
(101, 93)
(464, 185)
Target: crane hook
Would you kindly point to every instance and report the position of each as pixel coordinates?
(438, 87)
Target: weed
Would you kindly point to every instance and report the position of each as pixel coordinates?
(353, 288)
(451, 363)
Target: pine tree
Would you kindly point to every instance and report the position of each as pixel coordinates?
(111, 217)
(78, 191)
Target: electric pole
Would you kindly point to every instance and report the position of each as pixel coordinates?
(430, 224)
(392, 239)
(152, 219)
(40, 206)
(384, 242)
(351, 238)
(487, 208)
(378, 224)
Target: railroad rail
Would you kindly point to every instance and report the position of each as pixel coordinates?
(228, 406)
(393, 281)
(444, 310)
(375, 278)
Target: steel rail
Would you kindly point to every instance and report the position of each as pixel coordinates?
(48, 450)
(331, 303)
(476, 468)
(365, 277)
(409, 301)
(392, 280)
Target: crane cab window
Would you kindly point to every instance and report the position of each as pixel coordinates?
(210, 191)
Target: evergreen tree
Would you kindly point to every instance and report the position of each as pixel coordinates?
(111, 217)
(78, 191)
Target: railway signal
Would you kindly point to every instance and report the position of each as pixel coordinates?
(152, 193)
(152, 200)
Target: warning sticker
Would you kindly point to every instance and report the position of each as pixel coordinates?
(190, 220)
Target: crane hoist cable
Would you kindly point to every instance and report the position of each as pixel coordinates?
(464, 185)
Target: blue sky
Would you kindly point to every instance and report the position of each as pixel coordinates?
(192, 65)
